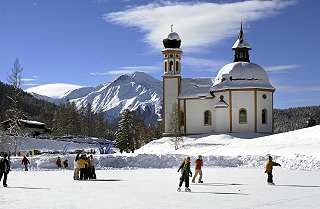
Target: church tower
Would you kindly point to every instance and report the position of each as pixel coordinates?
(171, 76)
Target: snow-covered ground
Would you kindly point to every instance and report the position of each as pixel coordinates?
(233, 174)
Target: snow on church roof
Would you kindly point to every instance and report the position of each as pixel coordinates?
(196, 88)
(238, 75)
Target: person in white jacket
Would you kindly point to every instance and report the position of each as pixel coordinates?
(76, 167)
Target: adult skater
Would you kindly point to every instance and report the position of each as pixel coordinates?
(4, 169)
(269, 167)
(199, 164)
(76, 167)
(185, 174)
(25, 161)
(58, 162)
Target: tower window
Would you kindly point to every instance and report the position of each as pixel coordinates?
(264, 116)
(207, 117)
(165, 67)
(171, 66)
(177, 66)
(242, 116)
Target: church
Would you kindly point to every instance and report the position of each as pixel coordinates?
(238, 99)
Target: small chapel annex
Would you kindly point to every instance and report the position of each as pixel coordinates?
(238, 99)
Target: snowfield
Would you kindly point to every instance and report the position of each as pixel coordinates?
(233, 174)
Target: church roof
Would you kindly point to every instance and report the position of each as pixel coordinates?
(196, 88)
(239, 75)
(241, 41)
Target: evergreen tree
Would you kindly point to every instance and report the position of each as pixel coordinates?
(100, 130)
(125, 134)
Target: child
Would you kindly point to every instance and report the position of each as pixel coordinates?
(269, 167)
(185, 174)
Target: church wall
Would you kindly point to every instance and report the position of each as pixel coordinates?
(243, 99)
(195, 116)
(264, 104)
(222, 120)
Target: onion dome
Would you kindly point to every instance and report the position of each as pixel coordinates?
(171, 40)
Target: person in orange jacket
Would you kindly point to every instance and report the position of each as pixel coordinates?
(199, 164)
(269, 167)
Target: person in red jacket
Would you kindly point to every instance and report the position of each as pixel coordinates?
(199, 164)
(25, 161)
(58, 162)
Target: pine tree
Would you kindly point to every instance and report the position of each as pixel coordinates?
(125, 134)
(100, 130)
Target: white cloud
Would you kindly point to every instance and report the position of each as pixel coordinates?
(199, 24)
(280, 68)
(53, 89)
(130, 70)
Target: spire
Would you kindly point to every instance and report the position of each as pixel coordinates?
(171, 27)
(241, 48)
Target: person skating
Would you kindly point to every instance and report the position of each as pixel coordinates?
(4, 169)
(58, 162)
(269, 167)
(25, 161)
(185, 174)
(199, 164)
(76, 167)
(82, 162)
(92, 168)
(65, 163)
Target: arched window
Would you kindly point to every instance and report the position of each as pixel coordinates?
(264, 116)
(165, 67)
(177, 66)
(242, 116)
(207, 117)
(171, 67)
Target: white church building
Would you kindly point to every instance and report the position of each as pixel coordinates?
(238, 99)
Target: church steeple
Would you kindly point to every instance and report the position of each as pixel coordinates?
(241, 48)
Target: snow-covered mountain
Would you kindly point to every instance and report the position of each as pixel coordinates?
(139, 92)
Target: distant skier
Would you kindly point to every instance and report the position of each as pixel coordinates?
(185, 174)
(25, 161)
(269, 167)
(199, 164)
(4, 169)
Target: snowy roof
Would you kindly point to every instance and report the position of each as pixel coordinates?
(221, 103)
(196, 88)
(238, 75)
(241, 43)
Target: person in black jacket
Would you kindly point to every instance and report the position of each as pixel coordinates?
(4, 169)
(185, 167)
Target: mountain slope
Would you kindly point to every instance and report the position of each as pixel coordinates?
(139, 92)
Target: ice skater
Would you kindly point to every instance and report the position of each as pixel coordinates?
(269, 167)
(25, 161)
(185, 174)
(199, 164)
(4, 169)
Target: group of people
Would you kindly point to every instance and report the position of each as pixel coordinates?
(85, 166)
(186, 172)
(65, 163)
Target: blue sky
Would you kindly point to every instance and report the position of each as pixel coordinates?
(67, 44)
